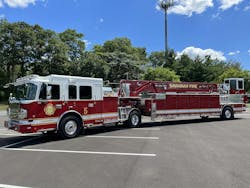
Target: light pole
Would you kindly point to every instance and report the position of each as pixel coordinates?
(165, 5)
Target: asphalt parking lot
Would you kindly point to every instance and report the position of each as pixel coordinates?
(190, 153)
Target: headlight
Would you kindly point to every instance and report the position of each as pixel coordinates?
(22, 114)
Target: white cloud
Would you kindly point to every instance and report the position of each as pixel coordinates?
(193, 52)
(189, 7)
(18, 3)
(234, 53)
(2, 16)
(226, 4)
(249, 51)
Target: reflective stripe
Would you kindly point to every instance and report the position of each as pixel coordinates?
(100, 116)
(108, 117)
(209, 110)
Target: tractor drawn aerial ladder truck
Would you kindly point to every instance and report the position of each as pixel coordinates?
(69, 104)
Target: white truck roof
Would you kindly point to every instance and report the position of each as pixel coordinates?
(59, 78)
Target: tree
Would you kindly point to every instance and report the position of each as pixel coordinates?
(124, 60)
(16, 44)
(161, 74)
(156, 59)
(182, 67)
(50, 53)
(92, 65)
(234, 73)
(75, 44)
(26, 49)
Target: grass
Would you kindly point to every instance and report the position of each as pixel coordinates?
(248, 105)
(3, 106)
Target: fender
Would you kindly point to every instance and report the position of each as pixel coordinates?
(64, 114)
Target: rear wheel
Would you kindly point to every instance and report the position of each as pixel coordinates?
(227, 113)
(134, 119)
(70, 127)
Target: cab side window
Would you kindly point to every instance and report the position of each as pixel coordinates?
(85, 92)
(55, 91)
(43, 92)
(233, 84)
(72, 92)
(240, 84)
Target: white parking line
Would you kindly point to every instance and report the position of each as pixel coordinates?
(147, 129)
(11, 186)
(9, 134)
(18, 134)
(13, 134)
(80, 152)
(21, 142)
(129, 137)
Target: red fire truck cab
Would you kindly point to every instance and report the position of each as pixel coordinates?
(69, 104)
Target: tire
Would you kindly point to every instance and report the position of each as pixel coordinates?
(70, 127)
(227, 113)
(134, 119)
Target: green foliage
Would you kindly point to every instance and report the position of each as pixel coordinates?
(74, 43)
(161, 74)
(92, 65)
(121, 59)
(234, 73)
(157, 59)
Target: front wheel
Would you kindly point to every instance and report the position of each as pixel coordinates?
(70, 127)
(134, 119)
(227, 113)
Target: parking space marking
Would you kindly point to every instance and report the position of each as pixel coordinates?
(13, 134)
(129, 137)
(147, 129)
(11, 186)
(242, 114)
(21, 142)
(9, 134)
(81, 152)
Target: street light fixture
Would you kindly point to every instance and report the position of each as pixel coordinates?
(165, 5)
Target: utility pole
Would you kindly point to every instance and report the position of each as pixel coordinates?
(165, 5)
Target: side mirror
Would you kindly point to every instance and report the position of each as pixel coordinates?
(49, 95)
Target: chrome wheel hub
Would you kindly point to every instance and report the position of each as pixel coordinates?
(228, 114)
(70, 127)
(135, 120)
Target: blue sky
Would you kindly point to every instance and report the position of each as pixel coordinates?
(219, 28)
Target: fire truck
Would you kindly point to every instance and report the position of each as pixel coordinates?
(70, 104)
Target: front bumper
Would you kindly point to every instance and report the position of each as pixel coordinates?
(18, 126)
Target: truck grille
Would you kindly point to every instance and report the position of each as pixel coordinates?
(13, 111)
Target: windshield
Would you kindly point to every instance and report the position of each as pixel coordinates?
(25, 91)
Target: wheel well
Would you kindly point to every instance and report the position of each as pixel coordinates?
(227, 107)
(135, 109)
(69, 114)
